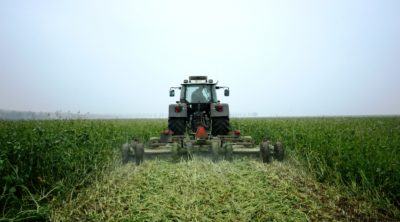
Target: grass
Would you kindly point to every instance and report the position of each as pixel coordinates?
(42, 160)
(201, 190)
(361, 153)
(348, 163)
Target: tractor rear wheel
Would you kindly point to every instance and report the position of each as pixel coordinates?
(220, 126)
(177, 125)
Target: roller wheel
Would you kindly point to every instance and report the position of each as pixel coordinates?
(220, 126)
(265, 152)
(279, 151)
(177, 125)
(127, 152)
(139, 153)
(228, 152)
(215, 147)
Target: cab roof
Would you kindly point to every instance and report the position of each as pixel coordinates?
(198, 80)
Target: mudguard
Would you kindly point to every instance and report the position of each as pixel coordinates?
(173, 113)
(215, 113)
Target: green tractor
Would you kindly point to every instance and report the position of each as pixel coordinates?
(199, 107)
(198, 125)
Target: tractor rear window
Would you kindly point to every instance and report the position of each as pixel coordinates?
(198, 94)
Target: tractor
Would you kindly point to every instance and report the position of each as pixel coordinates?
(198, 125)
(199, 107)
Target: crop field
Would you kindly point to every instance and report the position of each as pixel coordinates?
(336, 169)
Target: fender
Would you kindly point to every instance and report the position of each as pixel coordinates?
(215, 113)
(182, 113)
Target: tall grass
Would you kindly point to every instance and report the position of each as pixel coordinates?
(362, 153)
(45, 160)
(42, 160)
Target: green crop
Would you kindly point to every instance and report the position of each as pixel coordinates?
(362, 153)
(43, 163)
(42, 160)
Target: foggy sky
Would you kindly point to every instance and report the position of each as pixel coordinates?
(279, 58)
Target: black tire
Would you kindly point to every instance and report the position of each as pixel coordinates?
(279, 151)
(220, 126)
(126, 155)
(265, 152)
(177, 125)
(228, 152)
(139, 153)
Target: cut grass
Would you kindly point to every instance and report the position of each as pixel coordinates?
(201, 190)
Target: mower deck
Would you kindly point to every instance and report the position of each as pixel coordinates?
(216, 148)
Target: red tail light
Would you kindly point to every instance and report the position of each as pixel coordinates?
(219, 108)
(178, 109)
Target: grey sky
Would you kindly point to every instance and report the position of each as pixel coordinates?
(280, 58)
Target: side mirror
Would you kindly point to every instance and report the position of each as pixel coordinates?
(226, 92)
(172, 93)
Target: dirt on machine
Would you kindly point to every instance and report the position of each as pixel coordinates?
(198, 125)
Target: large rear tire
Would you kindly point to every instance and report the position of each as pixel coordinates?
(177, 125)
(220, 126)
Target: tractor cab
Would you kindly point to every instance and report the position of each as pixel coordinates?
(198, 89)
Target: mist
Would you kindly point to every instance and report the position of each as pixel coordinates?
(285, 58)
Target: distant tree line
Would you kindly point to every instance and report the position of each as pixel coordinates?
(29, 115)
